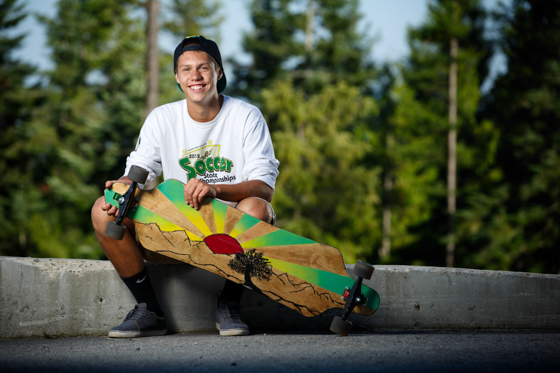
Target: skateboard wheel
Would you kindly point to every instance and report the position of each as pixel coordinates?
(115, 231)
(363, 270)
(138, 174)
(340, 326)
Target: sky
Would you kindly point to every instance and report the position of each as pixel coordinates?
(386, 20)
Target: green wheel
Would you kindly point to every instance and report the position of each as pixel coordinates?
(138, 174)
(340, 326)
(115, 231)
(363, 270)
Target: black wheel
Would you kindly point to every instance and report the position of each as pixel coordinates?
(363, 270)
(340, 326)
(115, 231)
(138, 174)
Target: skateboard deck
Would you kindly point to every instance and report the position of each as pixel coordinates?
(304, 275)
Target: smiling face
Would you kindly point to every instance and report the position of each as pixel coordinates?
(198, 75)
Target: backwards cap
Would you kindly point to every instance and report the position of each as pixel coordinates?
(200, 43)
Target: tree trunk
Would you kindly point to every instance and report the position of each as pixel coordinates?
(309, 29)
(152, 66)
(309, 37)
(385, 250)
(452, 156)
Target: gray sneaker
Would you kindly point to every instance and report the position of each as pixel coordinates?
(140, 323)
(228, 319)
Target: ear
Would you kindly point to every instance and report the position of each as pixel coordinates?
(220, 73)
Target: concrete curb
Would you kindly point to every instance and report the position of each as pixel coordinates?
(67, 297)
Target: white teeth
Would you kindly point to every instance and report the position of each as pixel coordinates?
(196, 87)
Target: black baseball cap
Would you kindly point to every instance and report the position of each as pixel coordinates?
(200, 43)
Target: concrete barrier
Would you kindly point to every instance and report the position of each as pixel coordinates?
(66, 297)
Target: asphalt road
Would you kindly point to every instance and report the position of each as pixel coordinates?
(380, 351)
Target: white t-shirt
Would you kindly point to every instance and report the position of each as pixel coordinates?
(234, 147)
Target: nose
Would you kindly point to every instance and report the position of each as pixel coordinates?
(196, 75)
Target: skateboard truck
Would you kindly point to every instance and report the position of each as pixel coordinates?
(115, 229)
(353, 298)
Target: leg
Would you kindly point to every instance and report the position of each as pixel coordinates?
(228, 316)
(257, 207)
(125, 255)
(262, 210)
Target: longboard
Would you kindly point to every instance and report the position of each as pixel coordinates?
(304, 275)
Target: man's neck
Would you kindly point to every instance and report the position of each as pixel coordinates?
(204, 112)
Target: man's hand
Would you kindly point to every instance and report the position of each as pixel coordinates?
(107, 207)
(196, 190)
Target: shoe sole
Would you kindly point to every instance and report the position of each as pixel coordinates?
(136, 334)
(232, 332)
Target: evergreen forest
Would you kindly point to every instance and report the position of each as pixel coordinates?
(429, 160)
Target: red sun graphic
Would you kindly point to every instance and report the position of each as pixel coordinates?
(223, 244)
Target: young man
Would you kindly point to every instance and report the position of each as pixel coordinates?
(175, 136)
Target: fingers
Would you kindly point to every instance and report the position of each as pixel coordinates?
(109, 183)
(110, 209)
(107, 207)
(195, 191)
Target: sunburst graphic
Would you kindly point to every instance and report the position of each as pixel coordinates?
(172, 213)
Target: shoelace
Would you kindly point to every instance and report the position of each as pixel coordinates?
(136, 314)
(230, 312)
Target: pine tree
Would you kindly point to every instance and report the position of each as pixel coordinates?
(452, 38)
(513, 225)
(18, 197)
(194, 17)
(333, 49)
(339, 51)
(272, 46)
(327, 189)
(410, 170)
(76, 144)
(152, 55)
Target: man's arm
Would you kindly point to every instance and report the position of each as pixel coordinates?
(196, 190)
(251, 188)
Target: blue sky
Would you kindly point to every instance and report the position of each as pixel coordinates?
(387, 20)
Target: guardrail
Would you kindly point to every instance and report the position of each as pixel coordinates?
(67, 297)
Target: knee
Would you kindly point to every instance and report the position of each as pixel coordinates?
(99, 217)
(255, 207)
